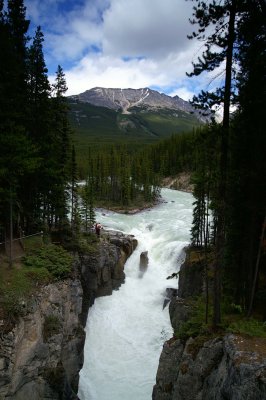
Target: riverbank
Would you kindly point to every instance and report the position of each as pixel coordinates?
(130, 210)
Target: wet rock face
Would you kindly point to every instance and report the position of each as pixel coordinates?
(103, 272)
(143, 261)
(170, 293)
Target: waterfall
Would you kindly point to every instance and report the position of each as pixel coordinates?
(126, 331)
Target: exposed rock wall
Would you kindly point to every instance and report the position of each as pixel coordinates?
(45, 346)
(41, 357)
(218, 369)
(103, 271)
(191, 280)
(231, 367)
(180, 182)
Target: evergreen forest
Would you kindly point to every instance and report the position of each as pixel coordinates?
(39, 173)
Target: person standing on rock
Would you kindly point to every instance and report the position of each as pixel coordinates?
(98, 228)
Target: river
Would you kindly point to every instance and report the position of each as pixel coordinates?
(125, 332)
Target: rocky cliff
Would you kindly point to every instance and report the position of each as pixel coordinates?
(226, 367)
(102, 272)
(229, 367)
(40, 358)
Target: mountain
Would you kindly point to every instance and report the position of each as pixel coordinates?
(125, 100)
(101, 117)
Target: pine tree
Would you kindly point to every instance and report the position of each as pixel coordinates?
(75, 214)
(60, 151)
(239, 200)
(88, 213)
(206, 15)
(38, 125)
(17, 154)
(92, 215)
(39, 89)
(18, 27)
(125, 180)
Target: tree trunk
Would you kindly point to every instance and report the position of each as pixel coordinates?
(223, 170)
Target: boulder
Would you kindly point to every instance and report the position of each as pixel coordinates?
(143, 261)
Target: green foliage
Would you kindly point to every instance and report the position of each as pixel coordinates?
(195, 325)
(18, 285)
(229, 307)
(54, 259)
(234, 321)
(87, 205)
(115, 178)
(32, 242)
(38, 276)
(15, 293)
(251, 327)
(39, 268)
(189, 329)
(88, 244)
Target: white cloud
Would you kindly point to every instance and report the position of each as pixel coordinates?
(110, 71)
(150, 28)
(119, 43)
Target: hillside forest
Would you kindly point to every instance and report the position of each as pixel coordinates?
(39, 173)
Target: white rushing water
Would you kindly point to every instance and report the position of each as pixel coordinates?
(125, 332)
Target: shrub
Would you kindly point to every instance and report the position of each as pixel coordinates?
(189, 329)
(88, 247)
(18, 284)
(53, 258)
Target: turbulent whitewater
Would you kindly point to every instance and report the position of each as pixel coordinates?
(125, 332)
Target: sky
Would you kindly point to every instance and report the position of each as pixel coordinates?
(119, 43)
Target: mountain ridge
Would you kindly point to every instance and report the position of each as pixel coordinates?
(125, 100)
